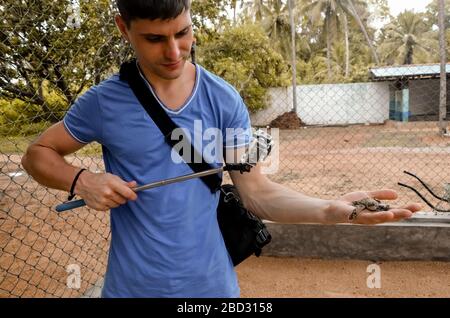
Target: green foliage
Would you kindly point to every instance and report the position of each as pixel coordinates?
(408, 39)
(22, 129)
(208, 14)
(14, 144)
(48, 45)
(432, 13)
(209, 17)
(312, 71)
(244, 57)
(336, 20)
(431, 18)
(90, 150)
(19, 118)
(32, 129)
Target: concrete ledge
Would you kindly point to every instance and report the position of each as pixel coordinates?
(416, 239)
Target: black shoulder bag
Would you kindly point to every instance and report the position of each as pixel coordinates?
(244, 233)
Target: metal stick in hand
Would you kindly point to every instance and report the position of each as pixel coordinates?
(79, 203)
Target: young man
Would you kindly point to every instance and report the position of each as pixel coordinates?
(166, 241)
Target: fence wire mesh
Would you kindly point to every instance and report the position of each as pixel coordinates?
(342, 137)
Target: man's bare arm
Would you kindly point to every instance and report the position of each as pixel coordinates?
(276, 202)
(44, 161)
(44, 158)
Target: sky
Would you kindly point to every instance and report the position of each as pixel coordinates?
(398, 6)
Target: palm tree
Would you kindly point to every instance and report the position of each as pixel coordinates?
(332, 13)
(274, 17)
(276, 23)
(255, 9)
(406, 37)
(353, 11)
(314, 9)
(234, 6)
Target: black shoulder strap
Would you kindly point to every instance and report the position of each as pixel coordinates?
(129, 72)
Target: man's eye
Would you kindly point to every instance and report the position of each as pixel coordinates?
(154, 40)
(182, 33)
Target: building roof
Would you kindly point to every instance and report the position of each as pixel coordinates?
(407, 71)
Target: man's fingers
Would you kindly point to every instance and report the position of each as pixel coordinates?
(132, 184)
(405, 212)
(385, 194)
(375, 217)
(400, 214)
(117, 199)
(392, 215)
(413, 207)
(124, 189)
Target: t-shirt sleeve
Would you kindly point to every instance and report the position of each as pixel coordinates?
(83, 120)
(238, 132)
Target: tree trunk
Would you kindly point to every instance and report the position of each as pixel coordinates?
(294, 59)
(258, 12)
(234, 12)
(409, 56)
(328, 35)
(347, 47)
(443, 53)
(364, 31)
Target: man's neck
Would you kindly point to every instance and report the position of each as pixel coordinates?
(162, 84)
(173, 92)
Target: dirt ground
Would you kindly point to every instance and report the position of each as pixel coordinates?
(313, 278)
(37, 244)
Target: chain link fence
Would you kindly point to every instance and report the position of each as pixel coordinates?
(340, 138)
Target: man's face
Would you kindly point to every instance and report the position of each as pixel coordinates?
(161, 46)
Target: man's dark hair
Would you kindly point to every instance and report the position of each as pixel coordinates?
(151, 9)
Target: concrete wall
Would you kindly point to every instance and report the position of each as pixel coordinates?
(279, 102)
(330, 104)
(414, 239)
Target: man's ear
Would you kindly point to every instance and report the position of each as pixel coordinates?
(122, 26)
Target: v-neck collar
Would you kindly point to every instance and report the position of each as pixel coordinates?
(188, 101)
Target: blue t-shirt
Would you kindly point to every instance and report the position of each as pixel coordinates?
(168, 242)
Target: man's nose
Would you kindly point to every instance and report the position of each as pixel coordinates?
(172, 51)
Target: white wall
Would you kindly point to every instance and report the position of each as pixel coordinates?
(330, 104)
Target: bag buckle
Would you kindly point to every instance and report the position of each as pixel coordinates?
(228, 197)
(263, 237)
